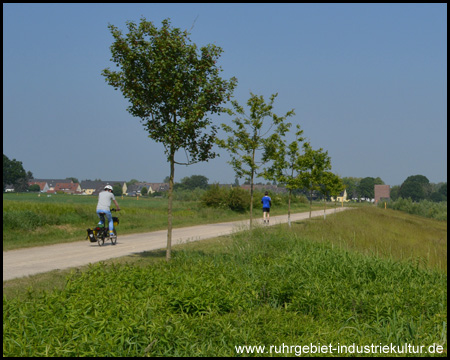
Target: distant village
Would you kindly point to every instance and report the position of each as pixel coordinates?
(89, 187)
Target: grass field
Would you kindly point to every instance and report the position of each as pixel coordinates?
(368, 276)
(29, 220)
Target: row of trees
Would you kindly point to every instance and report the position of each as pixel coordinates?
(173, 88)
(295, 165)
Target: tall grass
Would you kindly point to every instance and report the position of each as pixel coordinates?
(423, 208)
(270, 287)
(384, 233)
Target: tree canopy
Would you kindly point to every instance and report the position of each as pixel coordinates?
(315, 163)
(194, 182)
(416, 187)
(366, 187)
(15, 174)
(251, 134)
(171, 85)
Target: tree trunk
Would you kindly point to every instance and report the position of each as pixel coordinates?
(251, 188)
(169, 211)
(251, 202)
(310, 203)
(289, 207)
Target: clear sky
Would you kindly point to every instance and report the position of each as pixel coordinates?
(368, 83)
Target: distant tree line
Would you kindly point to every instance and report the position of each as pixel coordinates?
(14, 174)
(361, 188)
(415, 187)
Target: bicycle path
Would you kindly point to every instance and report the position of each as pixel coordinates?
(29, 261)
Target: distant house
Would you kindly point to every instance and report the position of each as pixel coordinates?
(95, 187)
(159, 187)
(68, 188)
(382, 192)
(9, 188)
(89, 187)
(136, 188)
(53, 186)
(51, 183)
(42, 185)
(342, 197)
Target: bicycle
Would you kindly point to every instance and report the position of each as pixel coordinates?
(101, 232)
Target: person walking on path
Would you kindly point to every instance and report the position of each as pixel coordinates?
(267, 203)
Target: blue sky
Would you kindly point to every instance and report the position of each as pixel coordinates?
(368, 83)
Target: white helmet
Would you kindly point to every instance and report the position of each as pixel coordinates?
(108, 187)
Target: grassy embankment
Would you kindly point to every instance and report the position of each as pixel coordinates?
(368, 276)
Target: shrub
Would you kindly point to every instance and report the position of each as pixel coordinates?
(34, 188)
(215, 197)
(423, 208)
(238, 200)
(235, 199)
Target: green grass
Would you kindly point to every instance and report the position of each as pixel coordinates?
(423, 208)
(29, 220)
(312, 284)
(383, 232)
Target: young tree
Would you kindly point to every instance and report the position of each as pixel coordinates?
(331, 185)
(287, 164)
(117, 190)
(316, 162)
(172, 87)
(250, 136)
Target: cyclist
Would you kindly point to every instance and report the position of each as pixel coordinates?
(103, 206)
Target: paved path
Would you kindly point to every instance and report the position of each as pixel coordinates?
(30, 261)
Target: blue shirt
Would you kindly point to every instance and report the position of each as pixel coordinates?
(266, 201)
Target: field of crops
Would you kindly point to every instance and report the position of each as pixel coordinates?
(321, 282)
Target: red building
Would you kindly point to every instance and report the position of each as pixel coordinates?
(382, 192)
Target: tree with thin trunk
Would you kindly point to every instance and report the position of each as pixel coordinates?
(315, 163)
(287, 164)
(252, 135)
(331, 185)
(173, 87)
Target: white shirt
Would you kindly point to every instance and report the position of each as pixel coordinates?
(104, 200)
